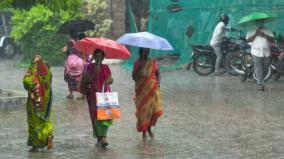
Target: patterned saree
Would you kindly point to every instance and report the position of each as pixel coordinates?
(37, 82)
(147, 96)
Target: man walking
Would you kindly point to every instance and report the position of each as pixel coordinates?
(261, 39)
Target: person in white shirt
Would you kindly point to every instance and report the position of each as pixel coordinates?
(216, 41)
(261, 39)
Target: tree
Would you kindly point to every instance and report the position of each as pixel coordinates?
(36, 26)
(36, 30)
(54, 5)
(5, 4)
(140, 9)
(95, 11)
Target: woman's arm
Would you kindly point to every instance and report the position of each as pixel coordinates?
(157, 72)
(135, 73)
(158, 76)
(85, 84)
(28, 80)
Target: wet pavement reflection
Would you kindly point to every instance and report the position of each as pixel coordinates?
(204, 118)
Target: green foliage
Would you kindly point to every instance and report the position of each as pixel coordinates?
(5, 4)
(140, 9)
(95, 10)
(36, 30)
(36, 27)
(54, 5)
(24, 21)
(59, 5)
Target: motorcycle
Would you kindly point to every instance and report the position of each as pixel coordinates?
(277, 63)
(245, 67)
(203, 56)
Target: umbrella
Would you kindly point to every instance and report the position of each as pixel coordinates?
(78, 25)
(251, 18)
(145, 40)
(112, 49)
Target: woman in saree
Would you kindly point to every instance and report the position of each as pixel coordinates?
(74, 65)
(147, 94)
(37, 81)
(97, 77)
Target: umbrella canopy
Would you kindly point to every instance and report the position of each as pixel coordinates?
(251, 18)
(145, 40)
(112, 49)
(78, 25)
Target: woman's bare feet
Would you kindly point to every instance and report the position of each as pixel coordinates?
(150, 133)
(81, 97)
(50, 142)
(144, 136)
(104, 142)
(99, 142)
(33, 149)
(70, 96)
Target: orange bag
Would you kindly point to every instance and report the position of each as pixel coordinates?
(108, 113)
(107, 106)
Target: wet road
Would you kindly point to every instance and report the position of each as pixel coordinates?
(204, 118)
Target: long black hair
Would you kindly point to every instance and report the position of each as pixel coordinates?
(143, 51)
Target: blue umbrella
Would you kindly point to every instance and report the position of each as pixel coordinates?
(145, 40)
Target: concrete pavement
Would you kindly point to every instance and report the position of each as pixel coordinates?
(204, 118)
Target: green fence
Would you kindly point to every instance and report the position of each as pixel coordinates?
(171, 19)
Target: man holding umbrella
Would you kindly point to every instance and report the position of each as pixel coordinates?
(261, 39)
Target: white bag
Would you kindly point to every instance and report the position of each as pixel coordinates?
(107, 99)
(107, 106)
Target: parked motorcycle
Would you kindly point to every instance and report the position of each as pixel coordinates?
(203, 56)
(277, 61)
(245, 67)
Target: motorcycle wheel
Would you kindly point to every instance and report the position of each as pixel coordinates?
(203, 64)
(266, 76)
(233, 62)
(276, 76)
(243, 77)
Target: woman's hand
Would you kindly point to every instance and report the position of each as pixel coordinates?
(28, 73)
(64, 49)
(109, 81)
(36, 88)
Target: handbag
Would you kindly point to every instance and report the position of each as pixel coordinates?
(107, 105)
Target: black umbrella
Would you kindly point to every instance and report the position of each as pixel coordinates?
(78, 25)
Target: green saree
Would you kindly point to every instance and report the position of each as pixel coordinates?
(37, 82)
